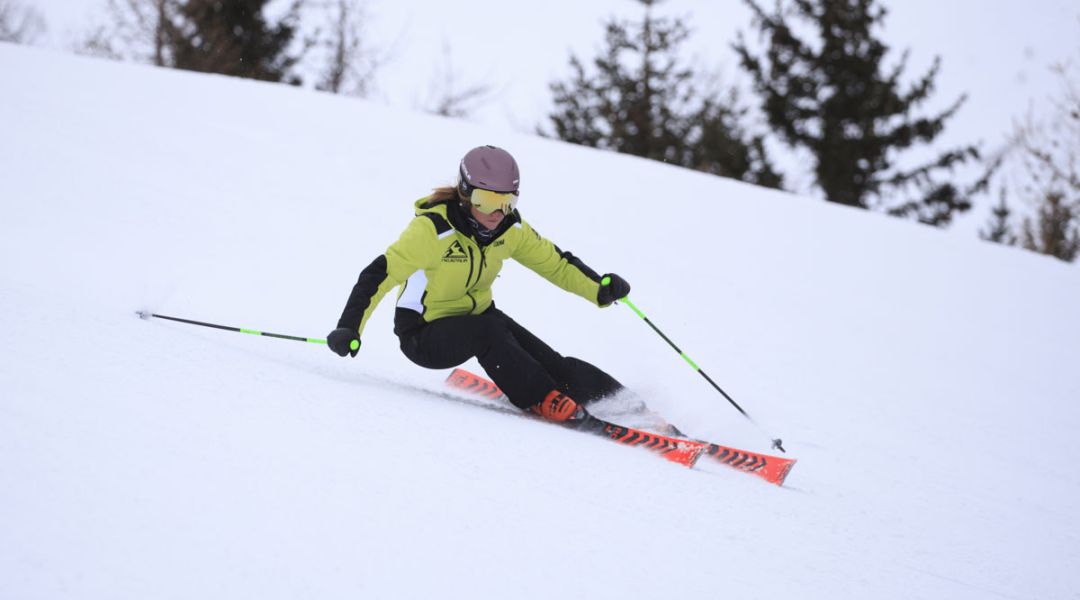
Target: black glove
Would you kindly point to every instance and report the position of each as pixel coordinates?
(341, 341)
(616, 288)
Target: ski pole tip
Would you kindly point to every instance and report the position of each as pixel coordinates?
(779, 445)
(144, 315)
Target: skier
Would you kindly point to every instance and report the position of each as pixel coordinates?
(445, 262)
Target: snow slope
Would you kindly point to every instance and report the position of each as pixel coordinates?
(927, 384)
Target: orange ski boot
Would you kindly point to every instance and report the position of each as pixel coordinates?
(560, 408)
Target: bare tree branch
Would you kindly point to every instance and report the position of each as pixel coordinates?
(447, 96)
(349, 62)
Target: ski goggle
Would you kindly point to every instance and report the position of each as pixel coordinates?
(487, 201)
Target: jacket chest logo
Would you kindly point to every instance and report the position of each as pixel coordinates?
(455, 253)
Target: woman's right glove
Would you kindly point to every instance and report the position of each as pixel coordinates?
(344, 341)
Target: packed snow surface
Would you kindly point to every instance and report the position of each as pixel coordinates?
(927, 383)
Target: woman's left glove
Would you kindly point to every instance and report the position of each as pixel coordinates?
(612, 288)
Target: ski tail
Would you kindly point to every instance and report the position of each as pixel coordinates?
(474, 384)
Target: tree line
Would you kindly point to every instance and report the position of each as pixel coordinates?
(825, 85)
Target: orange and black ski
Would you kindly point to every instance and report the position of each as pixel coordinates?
(474, 384)
(686, 452)
(683, 452)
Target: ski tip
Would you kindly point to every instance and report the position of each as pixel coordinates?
(781, 474)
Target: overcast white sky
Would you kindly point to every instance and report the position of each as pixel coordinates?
(997, 52)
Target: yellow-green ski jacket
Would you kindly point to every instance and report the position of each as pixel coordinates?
(445, 271)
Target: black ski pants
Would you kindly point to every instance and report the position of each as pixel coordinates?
(521, 364)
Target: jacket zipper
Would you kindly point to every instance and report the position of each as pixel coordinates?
(483, 261)
(469, 283)
(468, 278)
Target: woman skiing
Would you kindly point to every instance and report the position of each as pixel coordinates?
(445, 262)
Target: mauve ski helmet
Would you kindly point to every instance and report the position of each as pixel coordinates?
(488, 168)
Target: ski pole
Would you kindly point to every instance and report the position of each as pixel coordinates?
(147, 315)
(776, 442)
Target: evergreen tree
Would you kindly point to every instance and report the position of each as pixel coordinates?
(231, 38)
(20, 24)
(642, 101)
(1055, 230)
(999, 229)
(834, 97)
(1046, 153)
(235, 38)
